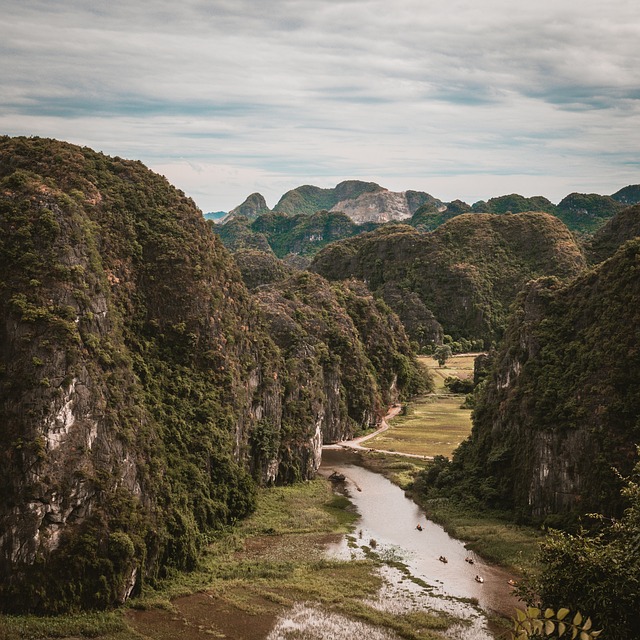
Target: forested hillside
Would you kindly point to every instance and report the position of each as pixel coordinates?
(559, 413)
(622, 227)
(467, 272)
(302, 235)
(143, 389)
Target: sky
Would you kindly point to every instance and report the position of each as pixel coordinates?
(465, 99)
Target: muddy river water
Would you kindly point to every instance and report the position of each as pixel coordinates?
(390, 519)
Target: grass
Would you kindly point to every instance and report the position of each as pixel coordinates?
(458, 366)
(433, 424)
(246, 578)
(86, 625)
(490, 534)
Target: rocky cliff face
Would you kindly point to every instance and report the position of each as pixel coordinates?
(140, 389)
(385, 206)
(560, 410)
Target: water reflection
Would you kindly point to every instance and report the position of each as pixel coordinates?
(390, 518)
(415, 579)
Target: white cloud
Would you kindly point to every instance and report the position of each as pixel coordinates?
(235, 96)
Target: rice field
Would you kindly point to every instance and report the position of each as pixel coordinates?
(434, 424)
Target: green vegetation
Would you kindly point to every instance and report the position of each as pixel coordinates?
(282, 234)
(429, 216)
(628, 195)
(611, 236)
(249, 576)
(144, 390)
(596, 571)
(535, 623)
(586, 212)
(514, 203)
(442, 353)
(308, 199)
(467, 272)
(571, 386)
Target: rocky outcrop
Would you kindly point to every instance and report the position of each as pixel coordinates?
(143, 390)
(559, 412)
(385, 206)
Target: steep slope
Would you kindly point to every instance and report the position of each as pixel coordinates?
(560, 408)
(308, 199)
(254, 206)
(628, 195)
(606, 241)
(139, 384)
(122, 435)
(467, 272)
(587, 212)
(347, 355)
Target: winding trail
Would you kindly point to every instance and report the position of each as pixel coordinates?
(356, 443)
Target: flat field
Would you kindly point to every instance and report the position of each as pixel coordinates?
(434, 424)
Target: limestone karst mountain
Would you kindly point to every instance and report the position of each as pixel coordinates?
(556, 422)
(144, 391)
(467, 272)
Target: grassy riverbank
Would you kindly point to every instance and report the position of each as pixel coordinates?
(435, 424)
(490, 534)
(246, 579)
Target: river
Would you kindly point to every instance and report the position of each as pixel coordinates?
(387, 526)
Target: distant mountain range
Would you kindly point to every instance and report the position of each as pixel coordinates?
(369, 203)
(216, 216)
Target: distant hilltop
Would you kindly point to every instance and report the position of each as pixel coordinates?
(368, 202)
(216, 216)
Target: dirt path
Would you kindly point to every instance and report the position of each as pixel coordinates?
(356, 443)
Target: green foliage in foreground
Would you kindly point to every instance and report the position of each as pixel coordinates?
(596, 572)
(535, 623)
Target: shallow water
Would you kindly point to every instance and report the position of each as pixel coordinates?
(389, 518)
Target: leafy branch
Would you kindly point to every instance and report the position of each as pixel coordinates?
(533, 623)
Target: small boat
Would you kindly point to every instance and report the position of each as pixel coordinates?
(443, 559)
(419, 527)
(479, 579)
(469, 559)
(337, 477)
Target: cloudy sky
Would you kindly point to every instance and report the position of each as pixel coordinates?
(460, 98)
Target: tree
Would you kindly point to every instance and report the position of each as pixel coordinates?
(442, 354)
(596, 572)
